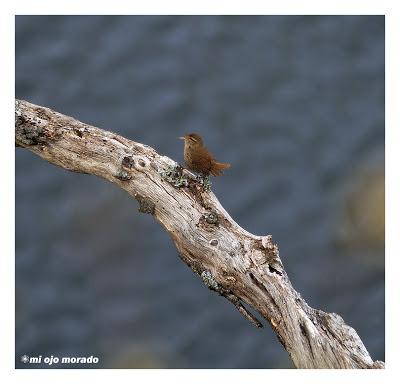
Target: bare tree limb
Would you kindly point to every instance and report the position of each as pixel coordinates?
(242, 267)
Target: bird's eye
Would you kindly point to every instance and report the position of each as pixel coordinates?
(193, 139)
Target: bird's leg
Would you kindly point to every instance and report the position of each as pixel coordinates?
(200, 178)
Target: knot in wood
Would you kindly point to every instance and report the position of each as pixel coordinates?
(142, 163)
(79, 132)
(128, 162)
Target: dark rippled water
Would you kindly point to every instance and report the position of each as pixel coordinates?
(295, 104)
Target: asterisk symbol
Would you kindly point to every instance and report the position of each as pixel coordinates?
(25, 358)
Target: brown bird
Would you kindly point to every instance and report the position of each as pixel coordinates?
(198, 158)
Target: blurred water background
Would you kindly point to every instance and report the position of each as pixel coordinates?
(295, 104)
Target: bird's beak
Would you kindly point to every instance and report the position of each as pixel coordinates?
(182, 138)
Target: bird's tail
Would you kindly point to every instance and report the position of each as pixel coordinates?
(217, 168)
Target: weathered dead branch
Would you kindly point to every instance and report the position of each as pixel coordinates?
(242, 267)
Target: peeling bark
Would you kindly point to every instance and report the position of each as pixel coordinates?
(242, 267)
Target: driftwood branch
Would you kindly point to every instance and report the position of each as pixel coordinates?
(242, 267)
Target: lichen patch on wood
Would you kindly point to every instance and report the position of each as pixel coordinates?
(145, 205)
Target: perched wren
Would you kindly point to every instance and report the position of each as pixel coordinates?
(199, 159)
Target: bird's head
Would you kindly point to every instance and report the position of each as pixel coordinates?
(192, 138)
